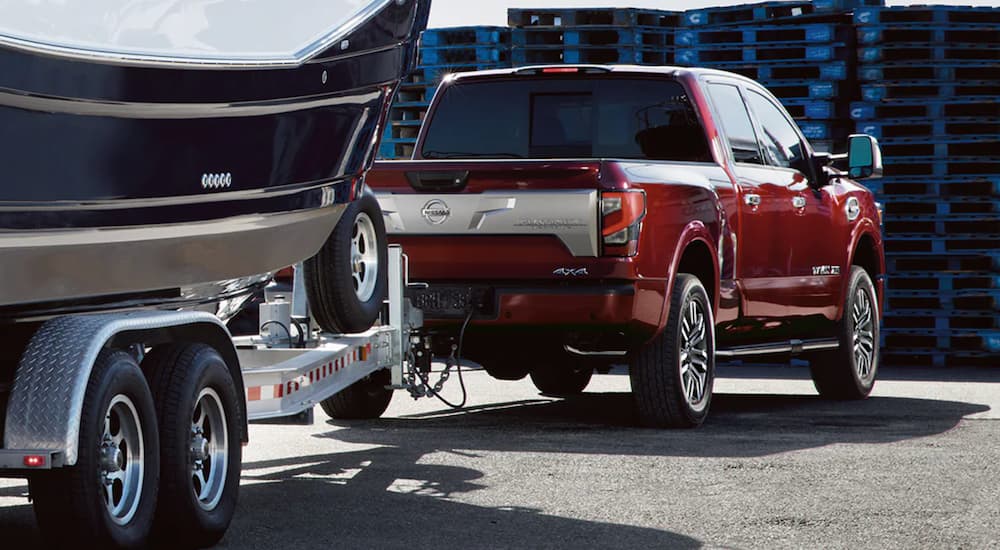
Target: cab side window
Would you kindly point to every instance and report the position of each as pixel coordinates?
(780, 140)
(736, 123)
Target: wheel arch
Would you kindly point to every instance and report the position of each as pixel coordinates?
(697, 259)
(694, 254)
(866, 253)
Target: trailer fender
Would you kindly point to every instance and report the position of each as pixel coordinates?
(46, 401)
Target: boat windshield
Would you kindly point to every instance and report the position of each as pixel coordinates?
(203, 32)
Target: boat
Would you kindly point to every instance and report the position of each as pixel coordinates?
(174, 153)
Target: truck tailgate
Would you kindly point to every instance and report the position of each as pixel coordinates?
(554, 199)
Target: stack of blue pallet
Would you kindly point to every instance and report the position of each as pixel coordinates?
(925, 80)
(930, 85)
(803, 51)
(592, 35)
(442, 52)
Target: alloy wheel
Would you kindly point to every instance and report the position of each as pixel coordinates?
(364, 257)
(694, 361)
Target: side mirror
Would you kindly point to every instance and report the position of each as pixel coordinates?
(864, 157)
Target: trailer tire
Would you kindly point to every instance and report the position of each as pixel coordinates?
(672, 376)
(200, 427)
(346, 281)
(365, 399)
(118, 443)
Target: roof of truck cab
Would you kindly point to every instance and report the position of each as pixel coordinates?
(623, 69)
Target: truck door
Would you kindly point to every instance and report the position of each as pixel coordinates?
(763, 264)
(809, 236)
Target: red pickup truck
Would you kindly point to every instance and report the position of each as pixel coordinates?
(656, 216)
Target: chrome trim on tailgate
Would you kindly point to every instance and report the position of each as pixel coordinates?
(569, 215)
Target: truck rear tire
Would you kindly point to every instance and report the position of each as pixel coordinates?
(365, 399)
(849, 371)
(563, 380)
(347, 281)
(200, 444)
(108, 498)
(672, 376)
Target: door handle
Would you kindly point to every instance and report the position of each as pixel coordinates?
(799, 202)
(752, 199)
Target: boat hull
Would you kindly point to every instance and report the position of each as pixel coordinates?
(129, 185)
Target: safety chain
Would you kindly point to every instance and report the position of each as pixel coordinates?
(418, 383)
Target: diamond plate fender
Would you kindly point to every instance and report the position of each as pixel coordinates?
(46, 401)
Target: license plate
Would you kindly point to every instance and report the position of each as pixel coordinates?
(450, 302)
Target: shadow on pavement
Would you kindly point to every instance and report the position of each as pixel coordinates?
(17, 523)
(390, 491)
(385, 495)
(394, 495)
(739, 426)
(382, 498)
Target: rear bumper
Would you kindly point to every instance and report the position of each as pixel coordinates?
(628, 308)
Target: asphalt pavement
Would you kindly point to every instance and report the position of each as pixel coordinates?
(917, 465)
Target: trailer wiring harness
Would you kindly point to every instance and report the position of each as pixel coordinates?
(419, 359)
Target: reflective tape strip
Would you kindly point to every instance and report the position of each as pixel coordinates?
(279, 391)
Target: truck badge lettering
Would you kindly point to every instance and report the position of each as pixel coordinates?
(571, 272)
(549, 223)
(826, 270)
(435, 212)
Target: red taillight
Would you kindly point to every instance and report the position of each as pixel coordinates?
(621, 220)
(551, 70)
(34, 461)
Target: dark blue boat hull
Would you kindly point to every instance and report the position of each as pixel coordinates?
(136, 156)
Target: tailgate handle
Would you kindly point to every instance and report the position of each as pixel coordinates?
(438, 181)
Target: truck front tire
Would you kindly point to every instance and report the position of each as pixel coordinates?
(672, 376)
(109, 497)
(200, 444)
(366, 399)
(849, 371)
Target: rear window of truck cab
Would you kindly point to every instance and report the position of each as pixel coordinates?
(584, 116)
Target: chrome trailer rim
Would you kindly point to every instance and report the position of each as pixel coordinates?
(364, 257)
(122, 459)
(694, 354)
(209, 447)
(863, 319)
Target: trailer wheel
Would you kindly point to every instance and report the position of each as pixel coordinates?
(365, 399)
(200, 443)
(109, 496)
(672, 375)
(563, 380)
(849, 371)
(346, 281)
